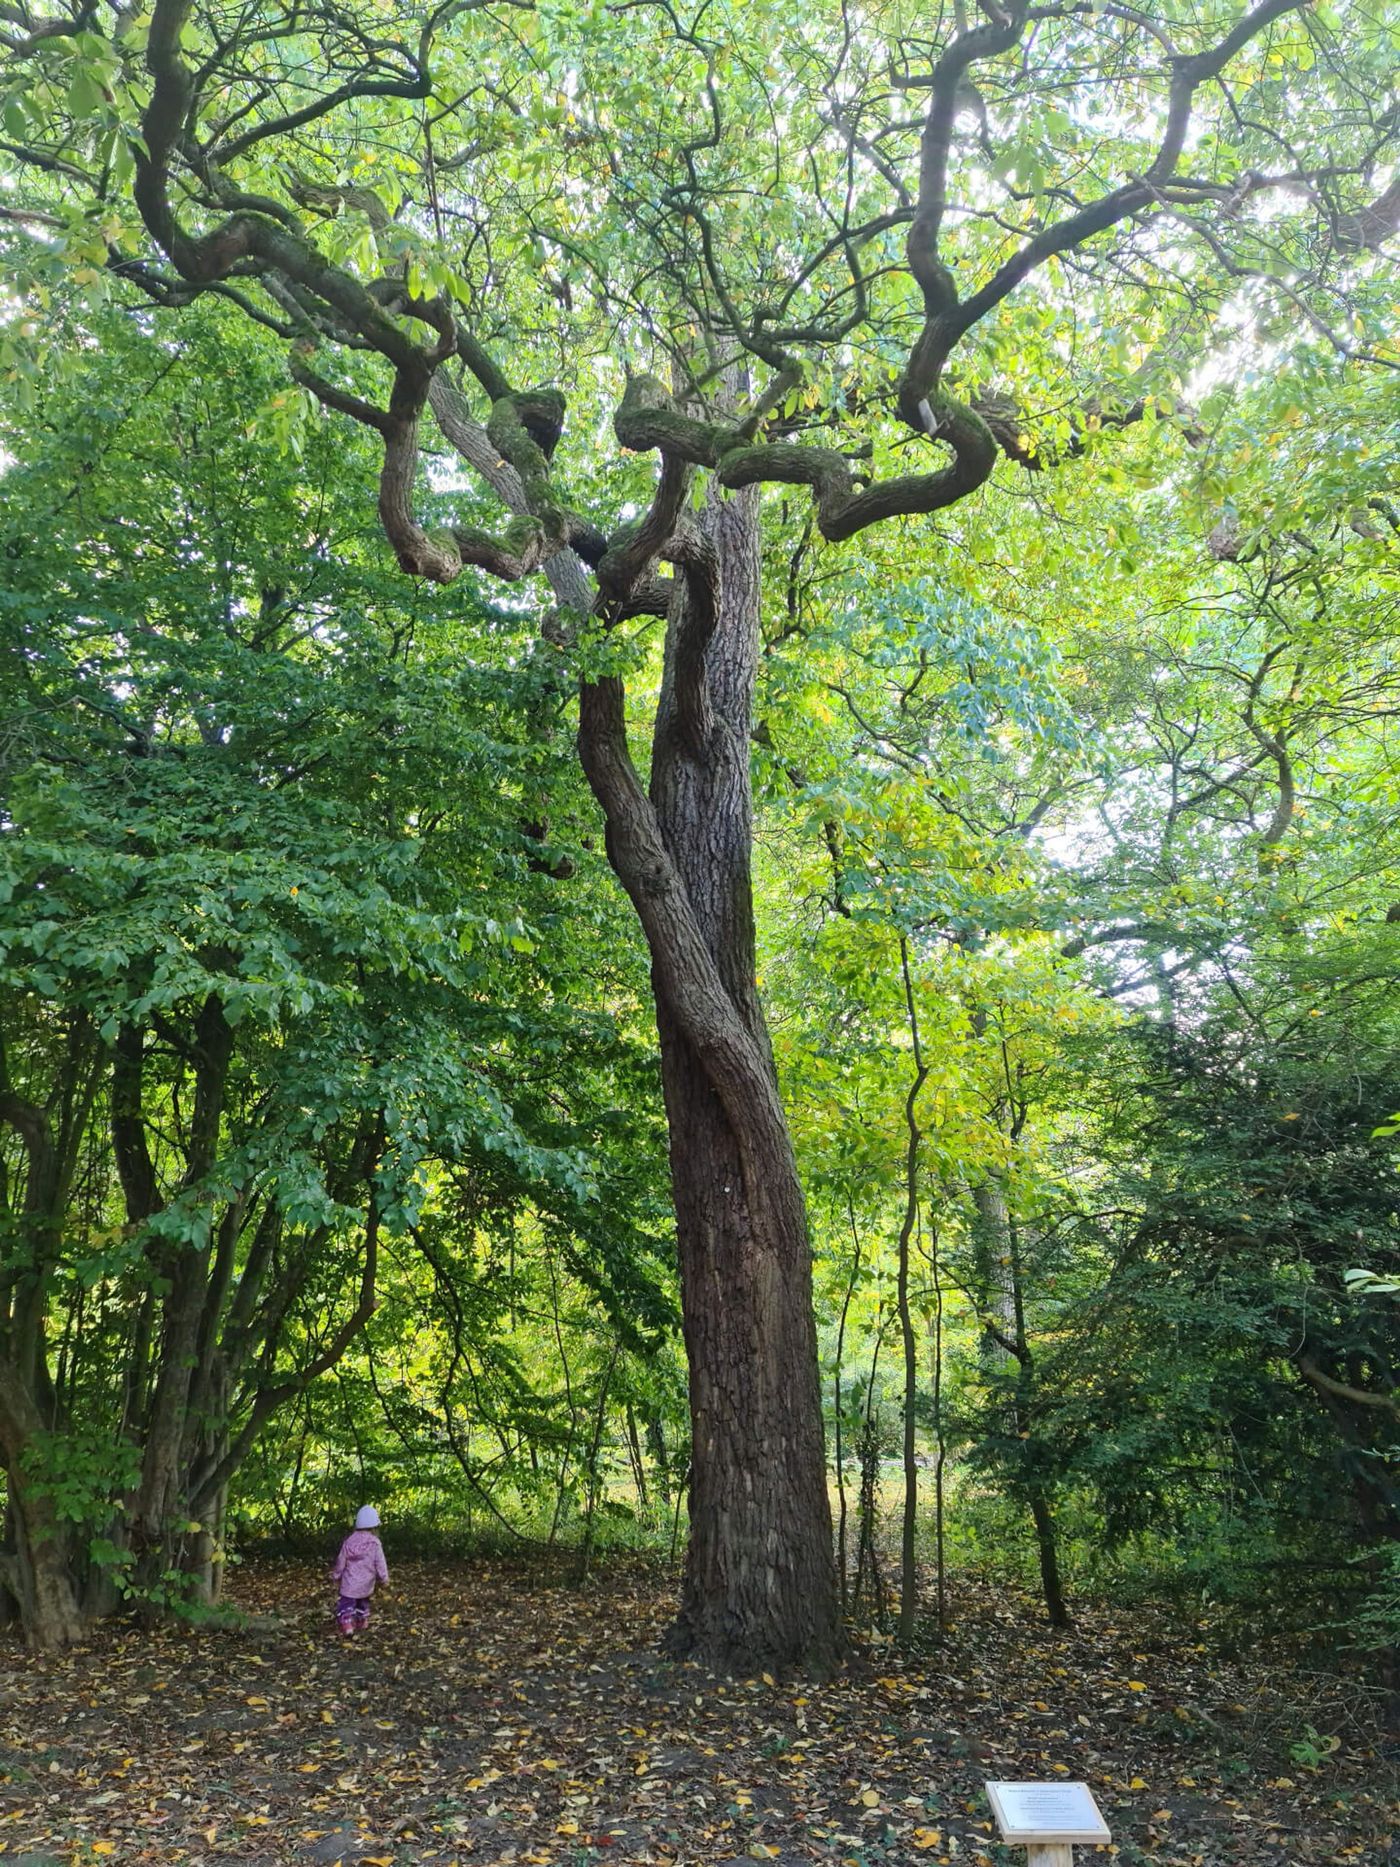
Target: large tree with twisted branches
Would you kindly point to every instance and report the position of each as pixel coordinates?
(867, 255)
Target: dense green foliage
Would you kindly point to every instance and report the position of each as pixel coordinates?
(285, 972)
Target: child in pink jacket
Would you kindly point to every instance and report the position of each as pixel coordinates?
(358, 1567)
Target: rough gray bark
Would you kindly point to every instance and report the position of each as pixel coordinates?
(760, 1584)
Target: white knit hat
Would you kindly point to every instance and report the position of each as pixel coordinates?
(367, 1518)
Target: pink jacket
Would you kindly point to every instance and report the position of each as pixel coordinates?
(360, 1565)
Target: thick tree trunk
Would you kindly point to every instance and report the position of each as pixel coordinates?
(36, 1566)
(760, 1583)
(42, 1578)
(760, 1580)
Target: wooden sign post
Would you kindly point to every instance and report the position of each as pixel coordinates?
(1047, 1819)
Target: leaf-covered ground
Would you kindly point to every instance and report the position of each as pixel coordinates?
(493, 1716)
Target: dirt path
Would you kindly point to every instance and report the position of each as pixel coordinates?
(491, 1717)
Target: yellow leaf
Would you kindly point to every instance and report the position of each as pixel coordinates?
(1136, 1685)
(104, 1847)
(871, 1798)
(927, 1837)
(1137, 1783)
(567, 1828)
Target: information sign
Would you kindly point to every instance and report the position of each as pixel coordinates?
(1030, 1813)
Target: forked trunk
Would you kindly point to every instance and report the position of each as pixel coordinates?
(760, 1584)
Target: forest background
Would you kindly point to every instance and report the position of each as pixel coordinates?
(335, 1153)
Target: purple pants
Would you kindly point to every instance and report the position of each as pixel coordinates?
(352, 1613)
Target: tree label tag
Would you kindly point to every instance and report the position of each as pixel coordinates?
(1045, 1813)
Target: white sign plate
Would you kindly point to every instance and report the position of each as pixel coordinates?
(1028, 1813)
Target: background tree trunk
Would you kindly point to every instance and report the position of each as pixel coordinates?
(908, 1568)
(1006, 1345)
